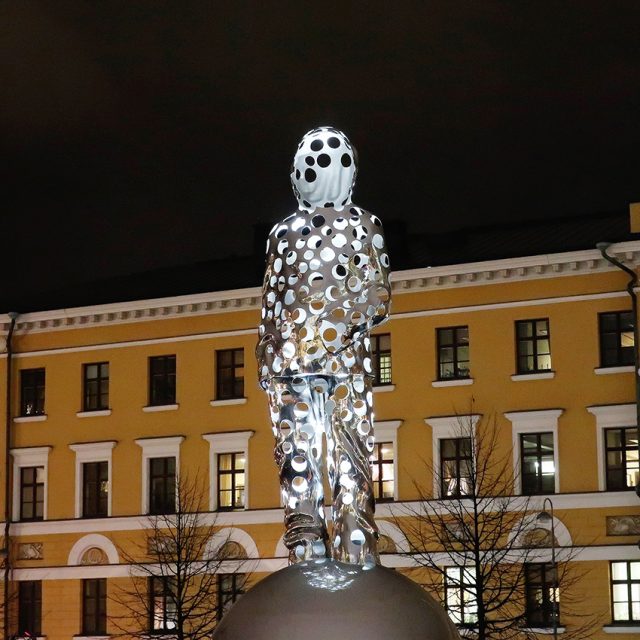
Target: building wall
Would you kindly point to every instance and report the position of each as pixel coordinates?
(570, 296)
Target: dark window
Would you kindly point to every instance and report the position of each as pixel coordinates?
(538, 465)
(616, 339)
(381, 354)
(162, 380)
(461, 600)
(534, 348)
(382, 471)
(96, 386)
(542, 596)
(30, 608)
(455, 467)
(229, 374)
(95, 489)
(162, 604)
(625, 591)
(94, 607)
(231, 480)
(162, 485)
(621, 458)
(453, 353)
(31, 493)
(230, 588)
(32, 392)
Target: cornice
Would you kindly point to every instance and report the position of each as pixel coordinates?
(407, 281)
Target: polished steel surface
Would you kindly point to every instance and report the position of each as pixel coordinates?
(326, 285)
(320, 599)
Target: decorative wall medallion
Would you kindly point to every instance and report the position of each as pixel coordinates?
(30, 551)
(623, 525)
(94, 556)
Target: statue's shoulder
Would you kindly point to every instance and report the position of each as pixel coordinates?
(364, 215)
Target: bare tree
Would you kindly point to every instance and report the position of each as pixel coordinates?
(175, 571)
(480, 545)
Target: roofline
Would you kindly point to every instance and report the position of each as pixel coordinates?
(487, 272)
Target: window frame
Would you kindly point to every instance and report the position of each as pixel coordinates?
(538, 491)
(95, 623)
(166, 596)
(534, 339)
(220, 368)
(459, 586)
(628, 582)
(168, 377)
(34, 486)
(376, 355)
(159, 505)
(34, 387)
(455, 345)
(102, 404)
(30, 616)
(95, 499)
(233, 472)
(29, 457)
(235, 592)
(623, 450)
(380, 463)
(618, 332)
(458, 459)
(547, 588)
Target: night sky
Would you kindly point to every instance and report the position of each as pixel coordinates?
(139, 135)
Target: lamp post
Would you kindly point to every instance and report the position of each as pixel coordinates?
(544, 517)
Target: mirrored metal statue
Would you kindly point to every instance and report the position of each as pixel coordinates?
(326, 285)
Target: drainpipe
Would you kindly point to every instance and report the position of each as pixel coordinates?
(7, 476)
(631, 285)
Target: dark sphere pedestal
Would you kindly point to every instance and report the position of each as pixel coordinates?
(328, 600)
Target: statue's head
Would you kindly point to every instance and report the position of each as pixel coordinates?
(324, 169)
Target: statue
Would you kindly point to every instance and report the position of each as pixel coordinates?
(326, 285)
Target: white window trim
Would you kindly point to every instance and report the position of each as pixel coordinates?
(29, 457)
(384, 388)
(443, 428)
(612, 415)
(454, 382)
(41, 417)
(533, 422)
(605, 371)
(92, 452)
(229, 442)
(387, 431)
(523, 377)
(167, 447)
(93, 414)
(227, 403)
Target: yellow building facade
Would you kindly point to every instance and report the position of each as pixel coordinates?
(108, 402)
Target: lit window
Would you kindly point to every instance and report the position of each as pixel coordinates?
(96, 386)
(621, 458)
(461, 599)
(542, 595)
(453, 353)
(455, 467)
(32, 392)
(381, 355)
(30, 608)
(616, 339)
(162, 485)
(231, 479)
(230, 587)
(32, 493)
(534, 350)
(229, 374)
(538, 466)
(625, 591)
(382, 471)
(95, 489)
(162, 605)
(94, 607)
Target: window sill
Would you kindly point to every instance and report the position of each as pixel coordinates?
(93, 414)
(454, 382)
(621, 628)
(541, 375)
(546, 631)
(39, 418)
(227, 403)
(82, 637)
(160, 407)
(384, 388)
(604, 371)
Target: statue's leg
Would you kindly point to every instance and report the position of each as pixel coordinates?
(298, 426)
(355, 534)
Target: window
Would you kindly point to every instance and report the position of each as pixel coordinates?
(94, 607)
(229, 374)
(538, 466)
(453, 353)
(533, 347)
(231, 467)
(230, 588)
(32, 493)
(162, 485)
(461, 600)
(162, 380)
(542, 595)
(381, 354)
(616, 339)
(625, 591)
(30, 608)
(95, 489)
(95, 386)
(32, 392)
(382, 471)
(621, 458)
(455, 467)
(162, 604)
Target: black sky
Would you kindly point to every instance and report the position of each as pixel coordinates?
(138, 134)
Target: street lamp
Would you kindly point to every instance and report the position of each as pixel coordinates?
(546, 517)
